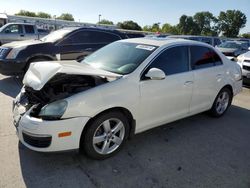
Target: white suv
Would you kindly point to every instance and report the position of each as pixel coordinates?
(123, 89)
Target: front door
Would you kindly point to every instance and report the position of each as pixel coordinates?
(166, 100)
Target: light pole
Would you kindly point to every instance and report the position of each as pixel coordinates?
(99, 16)
(55, 21)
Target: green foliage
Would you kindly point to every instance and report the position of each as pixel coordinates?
(107, 22)
(246, 35)
(206, 23)
(231, 21)
(156, 27)
(43, 15)
(130, 25)
(167, 28)
(187, 26)
(66, 16)
(26, 13)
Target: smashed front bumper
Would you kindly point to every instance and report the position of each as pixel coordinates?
(43, 135)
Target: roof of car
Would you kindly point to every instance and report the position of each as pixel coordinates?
(191, 36)
(161, 41)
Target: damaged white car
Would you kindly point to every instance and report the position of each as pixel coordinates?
(125, 88)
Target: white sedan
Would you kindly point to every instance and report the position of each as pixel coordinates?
(125, 88)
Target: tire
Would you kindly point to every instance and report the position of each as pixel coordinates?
(33, 61)
(222, 102)
(105, 136)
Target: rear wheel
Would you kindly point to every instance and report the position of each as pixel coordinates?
(222, 102)
(106, 135)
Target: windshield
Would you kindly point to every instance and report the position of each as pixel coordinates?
(229, 45)
(56, 35)
(119, 57)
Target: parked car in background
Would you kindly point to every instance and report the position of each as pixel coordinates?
(20, 31)
(72, 43)
(233, 48)
(244, 40)
(244, 61)
(124, 88)
(214, 41)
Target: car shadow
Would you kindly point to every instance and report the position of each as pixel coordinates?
(10, 85)
(192, 151)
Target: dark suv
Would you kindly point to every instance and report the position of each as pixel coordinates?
(64, 44)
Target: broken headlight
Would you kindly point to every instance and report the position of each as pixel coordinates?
(54, 110)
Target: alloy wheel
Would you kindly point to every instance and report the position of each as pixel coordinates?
(108, 136)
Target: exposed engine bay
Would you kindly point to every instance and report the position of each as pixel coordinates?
(59, 87)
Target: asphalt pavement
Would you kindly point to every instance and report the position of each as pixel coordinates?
(199, 151)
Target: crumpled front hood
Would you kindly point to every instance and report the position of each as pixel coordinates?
(40, 73)
(19, 44)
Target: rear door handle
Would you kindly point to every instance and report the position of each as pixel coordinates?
(187, 83)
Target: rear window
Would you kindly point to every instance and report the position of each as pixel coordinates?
(91, 37)
(203, 57)
(29, 29)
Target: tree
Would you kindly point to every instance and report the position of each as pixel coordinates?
(130, 25)
(43, 15)
(167, 28)
(246, 35)
(206, 23)
(187, 26)
(147, 28)
(156, 27)
(231, 21)
(107, 22)
(66, 16)
(26, 13)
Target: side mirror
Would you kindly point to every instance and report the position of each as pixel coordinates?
(248, 48)
(155, 74)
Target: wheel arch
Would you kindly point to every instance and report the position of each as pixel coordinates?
(37, 56)
(229, 87)
(124, 111)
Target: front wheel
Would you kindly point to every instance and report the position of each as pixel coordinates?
(106, 135)
(222, 102)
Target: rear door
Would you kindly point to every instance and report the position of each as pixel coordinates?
(208, 77)
(30, 32)
(82, 43)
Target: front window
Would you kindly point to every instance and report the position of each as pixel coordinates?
(119, 57)
(229, 45)
(172, 61)
(14, 29)
(56, 35)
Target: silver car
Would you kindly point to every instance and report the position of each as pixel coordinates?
(19, 31)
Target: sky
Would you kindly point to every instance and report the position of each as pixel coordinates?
(144, 12)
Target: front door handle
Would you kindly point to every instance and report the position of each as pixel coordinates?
(187, 83)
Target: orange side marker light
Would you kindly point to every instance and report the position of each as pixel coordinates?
(64, 134)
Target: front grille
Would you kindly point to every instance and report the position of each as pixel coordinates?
(246, 67)
(36, 141)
